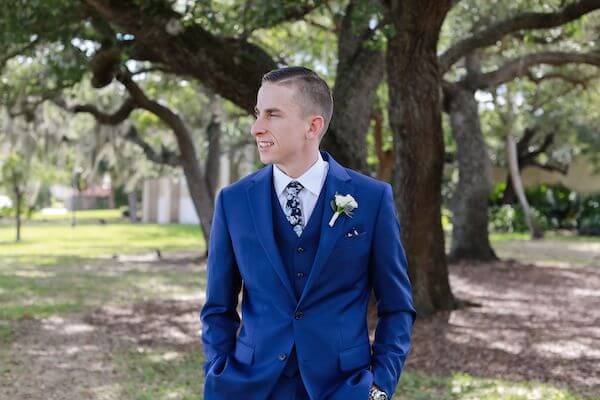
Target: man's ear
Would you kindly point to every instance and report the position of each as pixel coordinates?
(317, 122)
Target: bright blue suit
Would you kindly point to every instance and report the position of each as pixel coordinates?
(322, 321)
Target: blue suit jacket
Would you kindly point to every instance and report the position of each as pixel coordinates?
(329, 322)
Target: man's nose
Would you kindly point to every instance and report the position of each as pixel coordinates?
(257, 127)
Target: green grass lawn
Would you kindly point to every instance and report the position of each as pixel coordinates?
(57, 242)
(163, 373)
(83, 216)
(53, 270)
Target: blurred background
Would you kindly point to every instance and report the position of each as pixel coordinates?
(121, 120)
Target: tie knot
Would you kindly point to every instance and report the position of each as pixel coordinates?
(294, 187)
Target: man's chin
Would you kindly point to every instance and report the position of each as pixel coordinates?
(267, 159)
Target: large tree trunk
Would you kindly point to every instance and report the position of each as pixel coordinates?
(359, 71)
(470, 236)
(415, 118)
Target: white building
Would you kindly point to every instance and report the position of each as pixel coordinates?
(167, 199)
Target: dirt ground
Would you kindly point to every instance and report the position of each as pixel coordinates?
(538, 322)
(530, 323)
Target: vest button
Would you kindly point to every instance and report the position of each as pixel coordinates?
(282, 356)
(300, 249)
(299, 315)
(300, 274)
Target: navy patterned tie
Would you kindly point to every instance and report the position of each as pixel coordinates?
(293, 213)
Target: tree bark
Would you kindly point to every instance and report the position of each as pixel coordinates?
(213, 157)
(18, 195)
(513, 164)
(385, 157)
(360, 70)
(415, 117)
(469, 205)
(512, 155)
(132, 202)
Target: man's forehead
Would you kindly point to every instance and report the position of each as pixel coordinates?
(272, 96)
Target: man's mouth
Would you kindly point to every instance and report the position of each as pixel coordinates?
(263, 144)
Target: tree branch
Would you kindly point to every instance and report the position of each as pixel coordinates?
(520, 66)
(165, 157)
(291, 12)
(103, 118)
(575, 81)
(528, 20)
(232, 67)
(561, 168)
(5, 58)
(548, 140)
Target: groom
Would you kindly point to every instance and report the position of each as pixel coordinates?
(307, 271)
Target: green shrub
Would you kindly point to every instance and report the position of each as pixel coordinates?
(497, 193)
(508, 218)
(588, 215)
(557, 203)
(554, 207)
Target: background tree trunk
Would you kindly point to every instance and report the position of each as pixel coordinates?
(513, 164)
(359, 71)
(18, 196)
(213, 156)
(509, 196)
(470, 236)
(385, 157)
(415, 118)
(132, 202)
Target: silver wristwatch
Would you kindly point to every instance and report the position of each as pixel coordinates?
(377, 394)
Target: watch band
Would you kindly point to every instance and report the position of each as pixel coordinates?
(377, 394)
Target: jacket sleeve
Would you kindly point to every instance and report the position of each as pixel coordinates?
(219, 316)
(395, 310)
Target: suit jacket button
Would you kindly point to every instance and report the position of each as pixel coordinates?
(300, 274)
(282, 357)
(300, 249)
(299, 315)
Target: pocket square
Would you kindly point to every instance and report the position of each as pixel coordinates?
(354, 232)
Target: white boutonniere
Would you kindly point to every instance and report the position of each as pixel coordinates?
(342, 205)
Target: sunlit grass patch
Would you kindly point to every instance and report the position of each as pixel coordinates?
(156, 373)
(50, 244)
(461, 386)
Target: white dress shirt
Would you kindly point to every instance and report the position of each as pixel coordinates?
(312, 180)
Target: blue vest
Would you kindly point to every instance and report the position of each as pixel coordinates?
(297, 253)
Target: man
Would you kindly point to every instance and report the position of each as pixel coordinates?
(308, 239)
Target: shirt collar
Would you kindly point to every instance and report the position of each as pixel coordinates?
(312, 179)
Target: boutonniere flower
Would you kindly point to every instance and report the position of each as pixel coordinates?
(342, 205)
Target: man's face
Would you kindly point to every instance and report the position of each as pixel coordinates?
(280, 128)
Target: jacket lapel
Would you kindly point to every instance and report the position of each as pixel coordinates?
(259, 198)
(338, 181)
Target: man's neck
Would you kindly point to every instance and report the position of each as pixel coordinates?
(295, 171)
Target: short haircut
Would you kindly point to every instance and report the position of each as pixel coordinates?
(315, 94)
